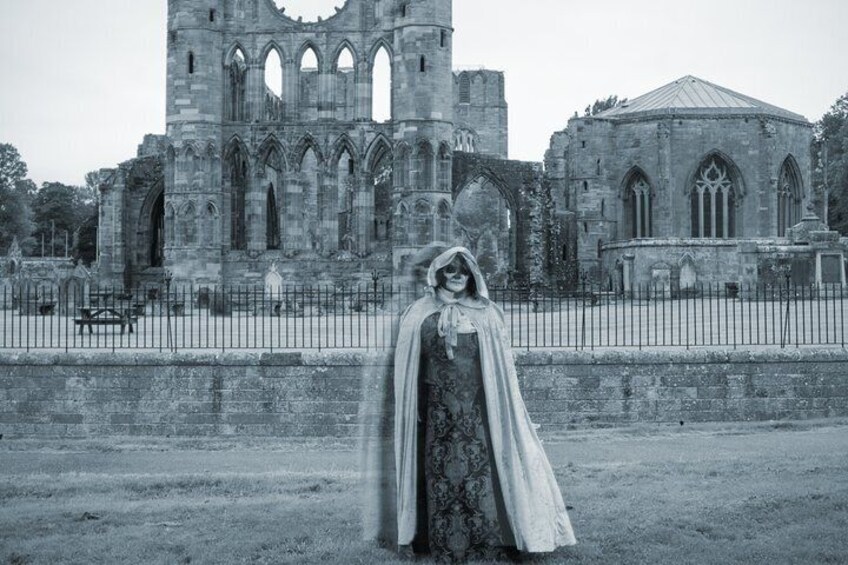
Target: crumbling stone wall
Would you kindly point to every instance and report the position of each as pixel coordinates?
(323, 395)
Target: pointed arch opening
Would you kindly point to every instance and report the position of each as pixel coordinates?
(211, 225)
(237, 165)
(422, 225)
(403, 222)
(464, 89)
(188, 225)
(483, 219)
(190, 166)
(789, 196)
(309, 60)
(273, 85)
(272, 219)
(638, 205)
(170, 221)
(339, 202)
(156, 252)
(402, 166)
(381, 86)
(308, 79)
(345, 84)
(236, 91)
(272, 171)
(443, 222)
(424, 166)
(380, 166)
(445, 166)
(713, 196)
(310, 216)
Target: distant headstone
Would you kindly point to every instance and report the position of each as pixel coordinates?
(273, 282)
(661, 280)
(688, 274)
(831, 269)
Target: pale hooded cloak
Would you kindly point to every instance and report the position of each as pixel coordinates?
(534, 505)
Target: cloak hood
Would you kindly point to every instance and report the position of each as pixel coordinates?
(445, 259)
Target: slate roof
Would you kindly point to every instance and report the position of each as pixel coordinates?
(692, 95)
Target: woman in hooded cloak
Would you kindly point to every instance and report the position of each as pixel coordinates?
(472, 477)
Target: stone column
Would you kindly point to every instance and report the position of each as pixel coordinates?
(363, 95)
(326, 94)
(714, 203)
(638, 227)
(664, 222)
(767, 216)
(255, 92)
(254, 212)
(290, 90)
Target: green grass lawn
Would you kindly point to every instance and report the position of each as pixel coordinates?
(742, 493)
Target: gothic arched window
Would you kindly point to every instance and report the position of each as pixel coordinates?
(238, 191)
(443, 222)
(274, 107)
(157, 232)
(638, 207)
(188, 226)
(464, 89)
(444, 168)
(381, 86)
(272, 220)
(423, 223)
(713, 201)
(237, 88)
(402, 167)
(424, 166)
(788, 199)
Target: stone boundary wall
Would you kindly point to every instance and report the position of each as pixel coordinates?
(321, 394)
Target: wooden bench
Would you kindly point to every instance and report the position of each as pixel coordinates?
(104, 317)
(37, 307)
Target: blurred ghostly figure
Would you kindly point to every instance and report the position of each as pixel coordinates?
(473, 481)
(377, 412)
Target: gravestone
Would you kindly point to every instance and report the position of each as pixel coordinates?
(273, 290)
(661, 280)
(688, 274)
(831, 268)
(273, 283)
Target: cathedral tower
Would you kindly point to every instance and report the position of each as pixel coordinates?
(423, 108)
(193, 173)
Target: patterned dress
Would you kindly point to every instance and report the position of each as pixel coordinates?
(465, 517)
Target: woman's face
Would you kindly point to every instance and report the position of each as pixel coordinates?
(456, 275)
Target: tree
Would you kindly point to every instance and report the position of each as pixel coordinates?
(601, 105)
(91, 190)
(12, 167)
(15, 190)
(830, 163)
(59, 211)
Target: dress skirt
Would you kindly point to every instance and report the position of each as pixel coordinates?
(461, 510)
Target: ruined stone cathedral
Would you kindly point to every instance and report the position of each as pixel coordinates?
(689, 183)
(307, 181)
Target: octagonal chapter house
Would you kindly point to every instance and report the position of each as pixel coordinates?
(688, 186)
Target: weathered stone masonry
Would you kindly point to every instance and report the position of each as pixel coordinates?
(316, 395)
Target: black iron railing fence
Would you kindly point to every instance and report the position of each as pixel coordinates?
(182, 317)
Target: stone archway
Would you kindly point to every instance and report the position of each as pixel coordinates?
(484, 222)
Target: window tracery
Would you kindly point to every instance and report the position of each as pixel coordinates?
(639, 207)
(713, 201)
(788, 200)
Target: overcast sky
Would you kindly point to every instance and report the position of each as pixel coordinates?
(84, 80)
